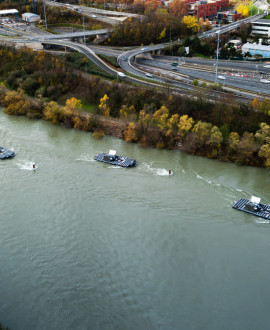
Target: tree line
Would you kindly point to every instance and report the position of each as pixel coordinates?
(157, 118)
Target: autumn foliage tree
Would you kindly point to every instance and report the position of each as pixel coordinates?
(191, 23)
(51, 112)
(103, 106)
(179, 8)
(244, 10)
(130, 133)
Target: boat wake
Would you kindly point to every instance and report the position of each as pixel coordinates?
(27, 166)
(207, 180)
(163, 172)
(156, 171)
(86, 158)
(262, 221)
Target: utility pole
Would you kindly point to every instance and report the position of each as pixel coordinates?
(217, 55)
(44, 4)
(34, 6)
(83, 32)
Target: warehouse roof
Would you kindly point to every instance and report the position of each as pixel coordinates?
(256, 46)
(30, 15)
(9, 11)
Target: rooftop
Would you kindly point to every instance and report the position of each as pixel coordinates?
(9, 11)
(256, 46)
(29, 15)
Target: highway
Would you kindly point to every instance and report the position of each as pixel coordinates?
(239, 75)
(106, 16)
(160, 69)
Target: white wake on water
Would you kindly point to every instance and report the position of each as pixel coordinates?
(163, 172)
(86, 158)
(27, 166)
(156, 171)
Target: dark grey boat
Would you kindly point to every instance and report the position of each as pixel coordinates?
(5, 153)
(253, 206)
(113, 159)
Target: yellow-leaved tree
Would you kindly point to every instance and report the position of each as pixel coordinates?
(243, 10)
(160, 117)
(130, 133)
(51, 112)
(104, 107)
(185, 124)
(70, 108)
(162, 34)
(233, 141)
(191, 23)
(263, 134)
(73, 103)
(172, 125)
(202, 131)
(127, 112)
(265, 152)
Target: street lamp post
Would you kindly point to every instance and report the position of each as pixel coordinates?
(44, 4)
(217, 56)
(170, 35)
(83, 31)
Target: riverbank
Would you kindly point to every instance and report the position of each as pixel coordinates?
(161, 131)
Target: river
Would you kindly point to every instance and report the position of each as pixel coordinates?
(86, 245)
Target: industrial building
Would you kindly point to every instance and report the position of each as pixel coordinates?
(256, 49)
(30, 18)
(9, 13)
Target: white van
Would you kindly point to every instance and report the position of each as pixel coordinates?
(265, 81)
(121, 74)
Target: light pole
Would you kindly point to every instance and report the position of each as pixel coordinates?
(83, 31)
(44, 4)
(170, 35)
(217, 56)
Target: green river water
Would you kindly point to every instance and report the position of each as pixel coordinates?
(85, 245)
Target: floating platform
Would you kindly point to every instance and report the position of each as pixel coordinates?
(113, 159)
(5, 153)
(253, 206)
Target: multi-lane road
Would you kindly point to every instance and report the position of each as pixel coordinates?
(252, 77)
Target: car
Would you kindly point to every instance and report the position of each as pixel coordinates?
(150, 75)
(221, 77)
(125, 58)
(265, 81)
(94, 16)
(144, 48)
(266, 66)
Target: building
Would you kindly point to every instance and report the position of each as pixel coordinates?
(256, 49)
(9, 12)
(261, 27)
(229, 16)
(30, 18)
(207, 9)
